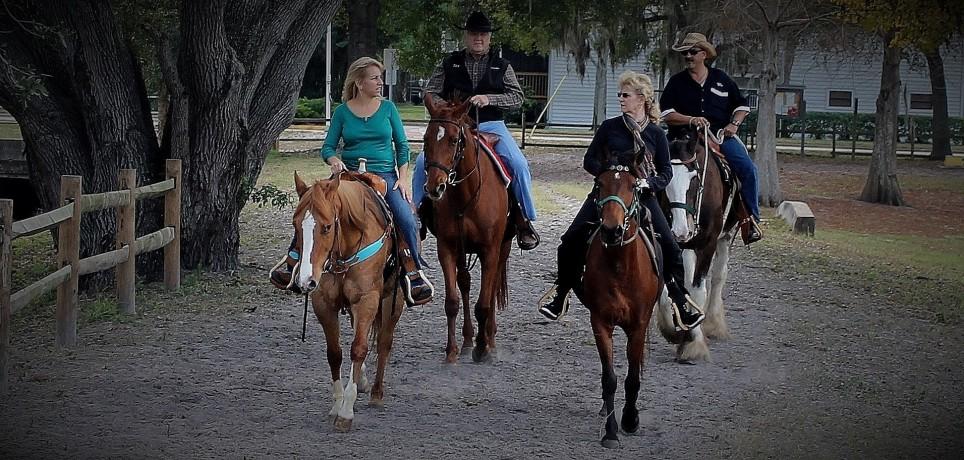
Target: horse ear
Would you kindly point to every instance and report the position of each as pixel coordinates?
(462, 109)
(300, 186)
(430, 104)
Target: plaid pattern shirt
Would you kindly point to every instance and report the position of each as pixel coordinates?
(511, 99)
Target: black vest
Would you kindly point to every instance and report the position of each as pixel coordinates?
(458, 84)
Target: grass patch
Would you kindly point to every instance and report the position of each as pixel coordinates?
(10, 131)
(412, 112)
(574, 190)
(545, 203)
(33, 259)
(279, 169)
(923, 274)
(102, 307)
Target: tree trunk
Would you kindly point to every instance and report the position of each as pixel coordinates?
(87, 112)
(766, 152)
(882, 185)
(940, 129)
(601, 84)
(363, 28)
(240, 68)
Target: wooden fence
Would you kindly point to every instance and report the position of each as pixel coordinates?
(71, 267)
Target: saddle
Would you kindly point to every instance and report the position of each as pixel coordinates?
(725, 172)
(743, 217)
(369, 179)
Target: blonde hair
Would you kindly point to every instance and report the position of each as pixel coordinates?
(643, 85)
(356, 74)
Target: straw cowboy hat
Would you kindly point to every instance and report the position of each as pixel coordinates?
(698, 40)
(478, 22)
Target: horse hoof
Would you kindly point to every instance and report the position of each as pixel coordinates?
(342, 425)
(452, 357)
(378, 403)
(610, 443)
(466, 349)
(630, 425)
(481, 355)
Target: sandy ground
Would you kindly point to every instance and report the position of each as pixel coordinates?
(814, 370)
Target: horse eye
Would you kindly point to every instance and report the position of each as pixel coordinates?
(325, 228)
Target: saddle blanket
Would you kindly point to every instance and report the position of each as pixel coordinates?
(501, 167)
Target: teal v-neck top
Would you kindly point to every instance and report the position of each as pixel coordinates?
(380, 138)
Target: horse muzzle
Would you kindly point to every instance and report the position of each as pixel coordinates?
(436, 193)
(612, 236)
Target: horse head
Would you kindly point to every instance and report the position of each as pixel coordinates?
(618, 203)
(684, 189)
(446, 139)
(316, 228)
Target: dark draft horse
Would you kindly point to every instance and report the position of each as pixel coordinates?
(345, 236)
(620, 287)
(703, 215)
(470, 208)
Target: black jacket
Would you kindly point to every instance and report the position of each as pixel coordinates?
(613, 138)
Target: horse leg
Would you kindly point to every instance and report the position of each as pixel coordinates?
(485, 309)
(329, 322)
(447, 259)
(604, 345)
(694, 348)
(363, 384)
(465, 283)
(636, 343)
(715, 325)
(364, 313)
(385, 338)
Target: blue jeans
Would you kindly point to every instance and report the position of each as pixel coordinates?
(403, 215)
(508, 150)
(739, 159)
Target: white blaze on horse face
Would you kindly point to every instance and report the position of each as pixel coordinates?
(307, 245)
(441, 134)
(676, 193)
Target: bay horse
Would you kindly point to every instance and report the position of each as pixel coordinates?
(701, 206)
(470, 209)
(620, 286)
(345, 237)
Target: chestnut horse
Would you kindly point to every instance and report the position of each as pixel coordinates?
(620, 287)
(470, 207)
(345, 237)
(701, 206)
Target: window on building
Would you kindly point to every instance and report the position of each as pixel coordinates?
(841, 99)
(921, 101)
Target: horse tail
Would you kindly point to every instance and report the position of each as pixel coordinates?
(502, 292)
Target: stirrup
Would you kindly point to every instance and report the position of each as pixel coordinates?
(548, 299)
(291, 286)
(678, 317)
(407, 288)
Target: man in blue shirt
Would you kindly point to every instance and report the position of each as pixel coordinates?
(704, 96)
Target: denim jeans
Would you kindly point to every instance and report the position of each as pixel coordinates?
(739, 159)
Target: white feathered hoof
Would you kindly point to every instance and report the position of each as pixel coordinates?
(692, 352)
(716, 330)
(342, 425)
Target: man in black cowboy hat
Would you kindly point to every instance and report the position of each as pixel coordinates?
(488, 81)
(705, 96)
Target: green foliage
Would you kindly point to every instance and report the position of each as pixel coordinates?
(922, 24)
(310, 108)
(823, 124)
(101, 308)
(271, 195)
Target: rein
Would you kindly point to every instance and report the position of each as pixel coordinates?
(697, 211)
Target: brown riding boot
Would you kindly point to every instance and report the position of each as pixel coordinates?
(750, 231)
(526, 235)
(281, 273)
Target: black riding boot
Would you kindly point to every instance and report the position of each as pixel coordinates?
(571, 260)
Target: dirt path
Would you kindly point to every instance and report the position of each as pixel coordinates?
(813, 371)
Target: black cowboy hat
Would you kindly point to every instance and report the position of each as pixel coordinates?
(478, 22)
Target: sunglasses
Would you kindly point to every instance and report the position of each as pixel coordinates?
(625, 95)
(691, 52)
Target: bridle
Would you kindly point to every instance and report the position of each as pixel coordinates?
(630, 212)
(452, 172)
(701, 173)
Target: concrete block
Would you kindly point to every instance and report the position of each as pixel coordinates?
(798, 215)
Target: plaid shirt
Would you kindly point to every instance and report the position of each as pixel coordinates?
(511, 99)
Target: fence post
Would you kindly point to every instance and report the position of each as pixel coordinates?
(172, 218)
(853, 132)
(125, 272)
(6, 237)
(68, 253)
(523, 130)
(833, 134)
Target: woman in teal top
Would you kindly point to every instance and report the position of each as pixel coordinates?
(371, 128)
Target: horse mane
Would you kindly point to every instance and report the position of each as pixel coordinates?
(356, 203)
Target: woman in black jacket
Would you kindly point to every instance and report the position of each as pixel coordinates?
(617, 141)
